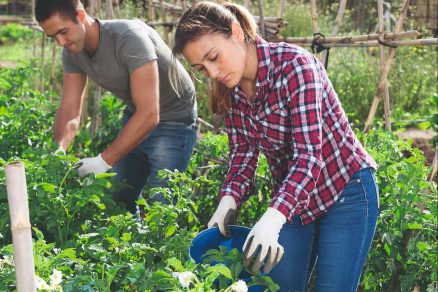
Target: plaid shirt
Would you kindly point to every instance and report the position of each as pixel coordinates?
(297, 121)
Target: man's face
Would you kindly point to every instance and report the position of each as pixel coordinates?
(67, 33)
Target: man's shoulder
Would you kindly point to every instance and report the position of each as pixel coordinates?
(123, 26)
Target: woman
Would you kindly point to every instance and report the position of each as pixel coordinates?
(277, 99)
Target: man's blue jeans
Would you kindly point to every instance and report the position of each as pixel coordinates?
(168, 146)
(335, 246)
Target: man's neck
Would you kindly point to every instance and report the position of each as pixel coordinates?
(92, 36)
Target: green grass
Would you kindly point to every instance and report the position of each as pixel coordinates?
(15, 52)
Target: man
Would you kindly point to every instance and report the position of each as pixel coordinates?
(129, 59)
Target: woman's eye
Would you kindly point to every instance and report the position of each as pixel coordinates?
(213, 58)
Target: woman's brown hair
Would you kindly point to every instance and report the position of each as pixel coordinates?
(210, 17)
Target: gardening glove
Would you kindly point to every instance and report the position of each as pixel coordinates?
(224, 216)
(264, 234)
(94, 164)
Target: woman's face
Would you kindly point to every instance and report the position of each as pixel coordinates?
(218, 57)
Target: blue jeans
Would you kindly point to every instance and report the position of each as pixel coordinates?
(335, 246)
(168, 146)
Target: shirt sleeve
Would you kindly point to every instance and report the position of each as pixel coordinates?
(305, 90)
(136, 49)
(242, 164)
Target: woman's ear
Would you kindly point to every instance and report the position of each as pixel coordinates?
(237, 31)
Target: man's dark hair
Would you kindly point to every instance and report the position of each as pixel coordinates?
(44, 9)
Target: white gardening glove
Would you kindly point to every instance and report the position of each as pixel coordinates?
(265, 234)
(225, 215)
(94, 164)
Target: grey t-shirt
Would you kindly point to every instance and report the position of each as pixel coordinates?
(124, 46)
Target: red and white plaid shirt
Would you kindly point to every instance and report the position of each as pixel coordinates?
(297, 121)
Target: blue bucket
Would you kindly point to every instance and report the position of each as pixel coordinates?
(212, 239)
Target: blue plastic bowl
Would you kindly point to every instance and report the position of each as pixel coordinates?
(212, 239)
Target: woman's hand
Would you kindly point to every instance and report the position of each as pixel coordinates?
(225, 215)
(265, 234)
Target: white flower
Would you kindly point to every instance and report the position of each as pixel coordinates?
(185, 278)
(239, 286)
(56, 277)
(41, 284)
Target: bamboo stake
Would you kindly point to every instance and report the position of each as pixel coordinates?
(434, 171)
(262, 17)
(386, 104)
(34, 55)
(96, 119)
(354, 39)
(52, 66)
(164, 18)
(314, 16)
(422, 42)
(339, 17)
(281, 8)
(43, 61)
(385, 71)
(109, 9)
(335, 29)
(117, 9)
(20, 226)
(151, 10)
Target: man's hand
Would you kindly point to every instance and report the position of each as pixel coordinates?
(225, 215)
(265, 234)
(94, 164)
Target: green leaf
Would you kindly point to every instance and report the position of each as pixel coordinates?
(170, 230)
(176, 264)
(421, 246)
(413, 226)
(223, 270)
(126, 237)
(48, 187)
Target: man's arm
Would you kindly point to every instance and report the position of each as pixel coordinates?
(68, 116)
(144, 83)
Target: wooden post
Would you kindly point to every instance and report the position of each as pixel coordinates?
(315, 24)
(164, 19)
(117, 8)
(314, 16)
(336, 26)
(96, 118)
(151, 10)
(52, 65)
(20, 226)
(43, 61)
(262, 18)
(382, 65)
(281, 8)
(34, 55)
(109, 9)
(434, 170)
(385, 71)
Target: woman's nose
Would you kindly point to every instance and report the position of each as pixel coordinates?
(212, 72)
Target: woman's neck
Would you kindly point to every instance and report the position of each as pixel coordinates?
(248, 81)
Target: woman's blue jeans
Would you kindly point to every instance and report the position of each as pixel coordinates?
(335, 246)
(168, 146)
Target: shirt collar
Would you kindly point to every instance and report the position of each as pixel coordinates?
(264, 62)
